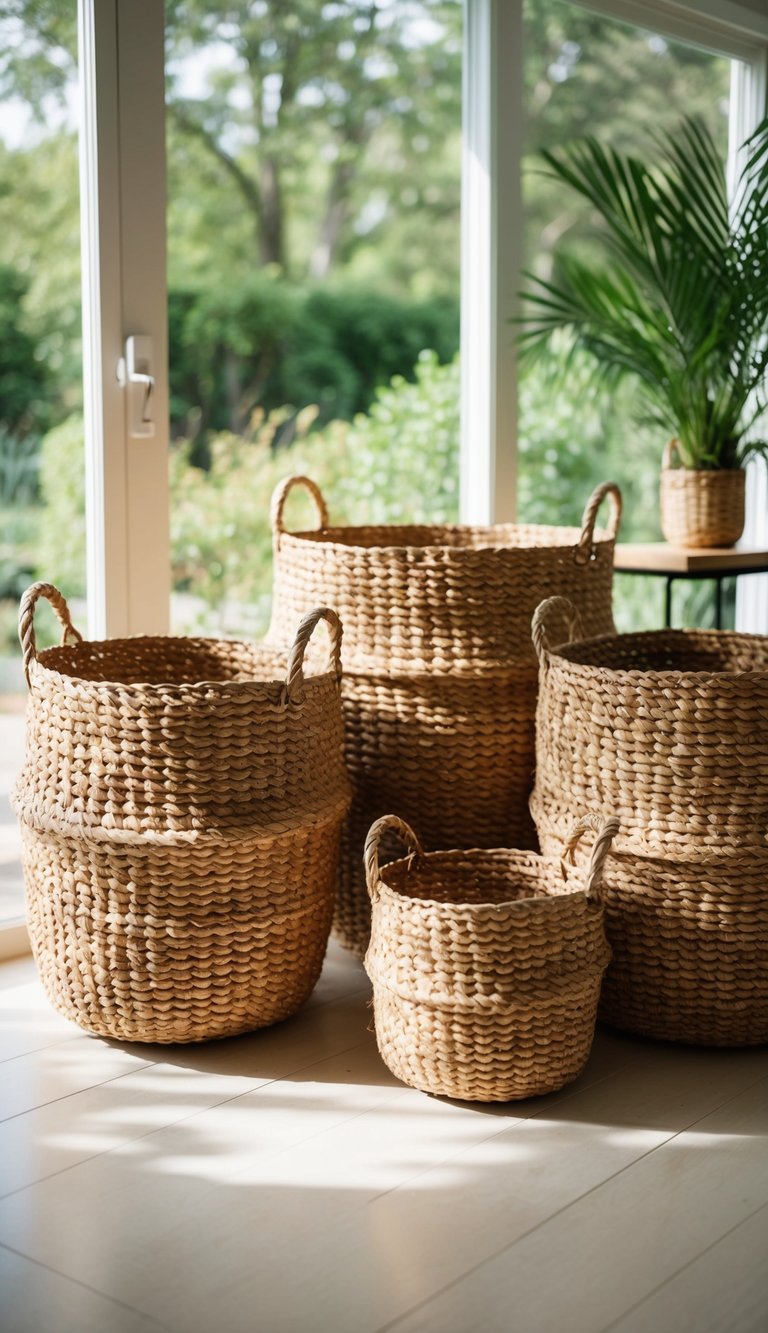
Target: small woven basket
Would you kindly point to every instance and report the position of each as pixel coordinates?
(486, 965)
(671, 728)
(441, 598)
(701, 508)
(181, 805)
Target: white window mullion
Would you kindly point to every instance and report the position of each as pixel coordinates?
(124, 293)
(490, 257)
(749, 104)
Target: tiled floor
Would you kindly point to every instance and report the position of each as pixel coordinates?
(285, 1182)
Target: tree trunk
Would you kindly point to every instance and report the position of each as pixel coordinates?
(271, 221)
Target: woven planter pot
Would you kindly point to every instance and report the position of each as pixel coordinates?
(175, 733)
(486, 966)
(446, 598)
(148, 937)
(670, 729)
(440, 681)
(181, 805)
(701, 508)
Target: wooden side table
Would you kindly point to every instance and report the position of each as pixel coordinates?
(673, 562)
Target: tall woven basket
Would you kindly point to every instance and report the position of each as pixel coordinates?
(440, 680)
(486, 965)
(181, 804)
(671, 729)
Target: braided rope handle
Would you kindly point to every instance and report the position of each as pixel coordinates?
(541, 625)
(585, 551)
(671, 450)
(280, 495)
(386, 824)
(293, 690)
(27, 621)
(606, 829)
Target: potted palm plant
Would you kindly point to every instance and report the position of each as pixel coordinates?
(679, 301)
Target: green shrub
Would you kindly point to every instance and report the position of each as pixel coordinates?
(60, 546)
(397, 463)
(268, 342)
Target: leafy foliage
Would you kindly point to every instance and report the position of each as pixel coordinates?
(266, 342)
(682, 304)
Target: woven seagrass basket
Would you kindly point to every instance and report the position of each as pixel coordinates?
(699, 507)
(181, 937)
(486, 965)
(440, 682)
(671, 729)
(158, 909)
(441, 598)
(177, 733)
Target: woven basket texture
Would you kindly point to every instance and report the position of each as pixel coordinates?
(150, 941)
(486, 966)
(456, 754)
(440, 679)
(178, 733)
(670, 729)
(181, 804)
(690, 947)
(701, 508)
(441, 598)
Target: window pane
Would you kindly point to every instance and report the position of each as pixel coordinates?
(314, 173)
(42, 526)
(585, 74)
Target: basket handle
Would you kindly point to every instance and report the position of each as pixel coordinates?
(280, 495)
(293, 690)
(671, 452)
(606, 828)
(585, 551)
(542, 617)
(27, 621)
(371, 853)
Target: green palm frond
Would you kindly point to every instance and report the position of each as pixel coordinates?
(680, 301)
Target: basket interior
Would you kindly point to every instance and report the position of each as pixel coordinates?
(155, 660)
(472, 878)
(454, 536)
(705, 651)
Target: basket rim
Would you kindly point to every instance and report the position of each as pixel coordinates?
(569, 652)
(270, 652)
(569, 538)
(628, 847)
(539, 902)
(40, 818)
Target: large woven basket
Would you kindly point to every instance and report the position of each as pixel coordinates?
(442, 598)
(181, 805)
(670, 728)
(440, 680)
(486, 965)
(700, 507)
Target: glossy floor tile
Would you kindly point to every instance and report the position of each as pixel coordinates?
(285, 1181)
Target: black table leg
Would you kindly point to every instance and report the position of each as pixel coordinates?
(719, 602)
(668, 603)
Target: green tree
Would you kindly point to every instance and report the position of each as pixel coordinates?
(22, 375)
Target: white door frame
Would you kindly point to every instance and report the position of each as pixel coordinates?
(122, 190)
